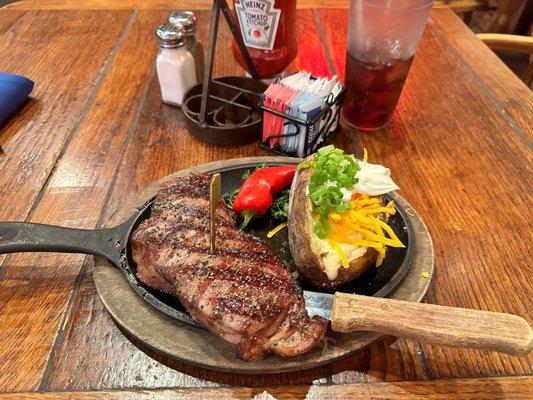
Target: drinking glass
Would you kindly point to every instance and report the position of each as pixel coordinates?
(382, 39)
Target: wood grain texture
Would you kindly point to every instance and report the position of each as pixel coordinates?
(516, 388)
(37, 287)
(509, 96)
(458, 6)
(333, 24)
(443, 146)
(143, 4)
(482, 62)
(432, 324)
(96, 354)
(311, 56)
(8, 20)
(389, 360)
(33, 139)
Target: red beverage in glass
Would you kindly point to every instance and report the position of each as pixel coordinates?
(381, 42)
(372, 91)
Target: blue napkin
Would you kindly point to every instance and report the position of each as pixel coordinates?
(14, 90)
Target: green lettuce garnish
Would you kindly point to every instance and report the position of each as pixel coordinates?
(280, 206)
(332, 171)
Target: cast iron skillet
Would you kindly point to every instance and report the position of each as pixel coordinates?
(113, 245)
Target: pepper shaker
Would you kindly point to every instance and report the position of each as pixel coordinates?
(188, 20)
(175, 66)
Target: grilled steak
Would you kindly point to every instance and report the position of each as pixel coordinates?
(242, 293)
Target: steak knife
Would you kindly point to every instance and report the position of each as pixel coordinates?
(427, 323)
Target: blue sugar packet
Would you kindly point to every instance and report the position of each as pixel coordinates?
(304, 106)
(310, 107)
(14, 90)
(291, 143)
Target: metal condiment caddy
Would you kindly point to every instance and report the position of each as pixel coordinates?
(328, 118)
(229, 110)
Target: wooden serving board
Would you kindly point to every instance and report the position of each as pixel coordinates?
(195, 345)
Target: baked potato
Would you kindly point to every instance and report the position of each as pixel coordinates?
(316, 261)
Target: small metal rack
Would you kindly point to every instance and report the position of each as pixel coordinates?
(327, 117)
(232, 117)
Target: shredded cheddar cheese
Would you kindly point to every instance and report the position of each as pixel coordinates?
(340, 252)
(361, 226)
(335, 216)
(278, 228)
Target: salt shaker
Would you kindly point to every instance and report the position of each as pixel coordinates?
(188, 20)
(175, 64)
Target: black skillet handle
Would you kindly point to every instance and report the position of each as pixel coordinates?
(18, 237)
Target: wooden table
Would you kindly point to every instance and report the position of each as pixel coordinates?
(95, 132)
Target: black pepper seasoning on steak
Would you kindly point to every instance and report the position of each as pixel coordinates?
(242, 293)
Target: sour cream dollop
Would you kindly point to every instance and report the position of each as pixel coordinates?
(373, 179)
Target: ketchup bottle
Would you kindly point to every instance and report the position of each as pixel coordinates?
(268, 31)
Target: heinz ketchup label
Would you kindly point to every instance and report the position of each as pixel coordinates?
(259, 22)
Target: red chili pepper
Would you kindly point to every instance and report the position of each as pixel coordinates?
(255, 196)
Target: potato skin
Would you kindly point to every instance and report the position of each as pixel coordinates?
(308, 263)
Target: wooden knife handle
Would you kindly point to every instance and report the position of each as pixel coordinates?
(430, 323)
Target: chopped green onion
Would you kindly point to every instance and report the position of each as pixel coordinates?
(332, 171)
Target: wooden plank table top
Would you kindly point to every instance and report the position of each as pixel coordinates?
(456, 5)
(95, 132)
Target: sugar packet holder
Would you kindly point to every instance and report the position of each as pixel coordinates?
(300, 134)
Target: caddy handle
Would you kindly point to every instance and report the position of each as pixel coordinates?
(434, 324)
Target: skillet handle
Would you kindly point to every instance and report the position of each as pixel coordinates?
(18, 237)
(430, 323)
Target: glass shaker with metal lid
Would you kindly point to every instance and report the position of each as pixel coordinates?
(175, 64)
(188, 20)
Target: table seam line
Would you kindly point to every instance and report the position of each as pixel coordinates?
(355, 139)
(45, 380)
(483, 87)
(423, 362)
(77, 283)
(126, 146)
(15, 22)
(323, 39)
(422, 354)
(356, 142)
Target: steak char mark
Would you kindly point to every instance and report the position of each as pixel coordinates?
(242, 293)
